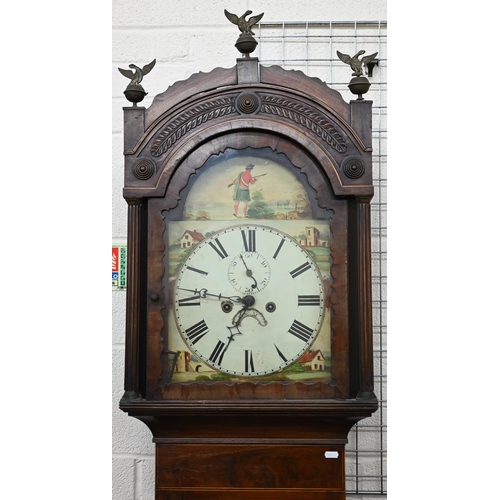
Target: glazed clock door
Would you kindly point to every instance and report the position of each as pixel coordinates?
(247, 279)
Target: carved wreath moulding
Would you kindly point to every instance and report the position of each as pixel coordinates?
(244, 104)
(189, 120)
(308, 117)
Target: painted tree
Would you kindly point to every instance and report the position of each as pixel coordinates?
(257, 208)
(301, 202)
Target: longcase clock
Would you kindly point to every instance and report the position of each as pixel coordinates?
(248, 342)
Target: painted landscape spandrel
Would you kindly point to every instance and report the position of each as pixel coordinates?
(247, 187)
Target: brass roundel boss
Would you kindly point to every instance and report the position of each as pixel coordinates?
(143, 169)
(353, 167)
(247, 103)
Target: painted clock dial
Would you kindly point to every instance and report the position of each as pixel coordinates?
(249, 300)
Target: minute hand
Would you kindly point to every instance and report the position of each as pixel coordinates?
(203, 293)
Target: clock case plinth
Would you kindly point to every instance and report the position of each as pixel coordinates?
(247, 438)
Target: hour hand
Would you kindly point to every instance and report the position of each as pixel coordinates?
(203, 293)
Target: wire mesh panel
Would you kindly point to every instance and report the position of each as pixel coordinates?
(312, 48)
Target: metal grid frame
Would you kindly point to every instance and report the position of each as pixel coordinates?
(312, 48)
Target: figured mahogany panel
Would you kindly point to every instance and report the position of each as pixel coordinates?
(249, 466)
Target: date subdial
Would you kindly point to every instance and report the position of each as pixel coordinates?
(249, 273)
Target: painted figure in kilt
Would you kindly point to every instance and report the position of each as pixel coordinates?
(241, 192)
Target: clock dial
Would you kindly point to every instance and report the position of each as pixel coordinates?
(249, 300)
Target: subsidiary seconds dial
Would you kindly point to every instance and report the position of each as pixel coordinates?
(249, 273)
(249, 300)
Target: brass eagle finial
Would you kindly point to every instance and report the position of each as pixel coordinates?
(244, 25)
(355, 64)
(136, 76)
(134, 91)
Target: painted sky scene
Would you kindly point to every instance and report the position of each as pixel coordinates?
(277, 193)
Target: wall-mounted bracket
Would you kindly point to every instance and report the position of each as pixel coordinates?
(371, 65)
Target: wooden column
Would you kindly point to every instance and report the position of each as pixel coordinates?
(133, 317)
(361, 295)
(365, 300)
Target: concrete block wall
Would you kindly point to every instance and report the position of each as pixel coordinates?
(184, 38)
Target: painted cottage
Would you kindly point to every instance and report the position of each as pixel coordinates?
(313, 361)
(190, 238)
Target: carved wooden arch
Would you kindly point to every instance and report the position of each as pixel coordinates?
(318, 123)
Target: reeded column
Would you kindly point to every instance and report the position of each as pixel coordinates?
(364, 291)
(135, 208)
